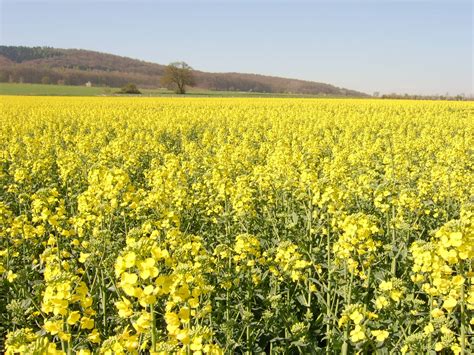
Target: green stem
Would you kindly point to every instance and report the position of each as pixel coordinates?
(463, 316)
(345, 345)
(153, 327)
(393, 268)
(247, 335)
(69, 349)
(328, 296)
(367, 300)
(430, 338)
(104, 303)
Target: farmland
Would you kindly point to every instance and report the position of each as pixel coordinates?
(236, 225)
(70, 90)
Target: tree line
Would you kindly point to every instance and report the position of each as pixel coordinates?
(447, 96)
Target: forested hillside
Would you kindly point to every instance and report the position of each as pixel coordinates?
(76, 67)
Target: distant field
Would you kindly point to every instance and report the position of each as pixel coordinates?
(68, 90)
(58, 90)
(54, 90)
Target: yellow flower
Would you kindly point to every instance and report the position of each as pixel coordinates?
(455, 239)
(193, 302)
(428, 329)
(182, 294)
(380, 335)
(83, 257)
(196, 345)
(53, 327)
(386, 285)
(87, 323)
(64, 336)
(395, 295)
(51, 350)
(183, 336)
(143, 322)
(147, 269)
(457, 280)
(356, 317)
(184, 314)
(124, 308)
(172, 322)
(445, 330)
(11, 276)
(456, 348)
(94, 336)
(343, 320)
(129, 279)
(381, 302)
(120, 266)
(148, 290)
(449, 303)
(436, 313)
(130, 259)
(372, 315)
(417, 278)
(73, 317)
(357, 334)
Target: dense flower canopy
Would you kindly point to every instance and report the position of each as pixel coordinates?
(234, 225)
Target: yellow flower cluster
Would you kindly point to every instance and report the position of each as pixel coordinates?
(25, 341)
(356, 247)
(289, 262)
(357, 319)
(163, 270)
(442, 267)
(66, 299)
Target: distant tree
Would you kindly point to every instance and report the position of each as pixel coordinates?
(45, 80)
(177, 76)
(129, 89)
(376, 94)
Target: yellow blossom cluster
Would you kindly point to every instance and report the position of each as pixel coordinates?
(289, 261)
(443, 270)
(357, 319)
(356, 246)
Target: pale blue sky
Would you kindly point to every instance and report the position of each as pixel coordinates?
(420, 46)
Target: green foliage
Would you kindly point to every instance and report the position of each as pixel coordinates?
(129, 89)
(177, 76)
(20, 54)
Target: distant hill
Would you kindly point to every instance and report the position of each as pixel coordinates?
(77, 67)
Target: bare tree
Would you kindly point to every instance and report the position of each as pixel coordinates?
(177, 76)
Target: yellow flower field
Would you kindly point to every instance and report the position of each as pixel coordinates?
(169, 225)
